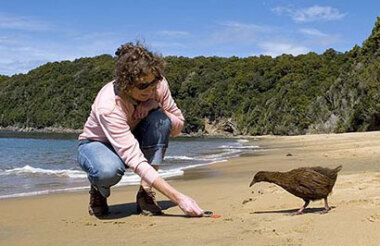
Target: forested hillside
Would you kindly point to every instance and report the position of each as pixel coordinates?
(311, 93)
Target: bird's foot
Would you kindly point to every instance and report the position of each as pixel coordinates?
(326, 210)
(300, 211)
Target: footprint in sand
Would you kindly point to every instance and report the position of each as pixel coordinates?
(118, 222)
(90, 224)
(302, 229)
(248, 200)
(363, 187)
(374, 218)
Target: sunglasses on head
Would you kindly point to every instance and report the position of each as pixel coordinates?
(143, 86)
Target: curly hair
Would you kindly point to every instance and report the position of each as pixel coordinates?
(134, 61)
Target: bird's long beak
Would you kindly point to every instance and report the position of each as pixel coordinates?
(252, 183)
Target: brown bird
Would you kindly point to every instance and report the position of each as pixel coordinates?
(307, 183)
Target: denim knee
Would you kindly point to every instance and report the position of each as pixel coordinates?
(106, 177)
(154, 130)
(159, 120)
(103, 166)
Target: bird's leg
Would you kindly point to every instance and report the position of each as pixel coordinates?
(327, 208)
(300, 211)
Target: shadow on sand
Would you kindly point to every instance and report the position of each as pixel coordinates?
(292, 211)
(119, 211)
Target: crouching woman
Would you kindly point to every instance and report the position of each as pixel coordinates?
(129, 126)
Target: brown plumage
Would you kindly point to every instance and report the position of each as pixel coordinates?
(307, 183)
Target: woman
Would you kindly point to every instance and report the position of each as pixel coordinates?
(129, 126)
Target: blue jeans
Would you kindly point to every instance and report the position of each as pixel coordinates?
(103, 165)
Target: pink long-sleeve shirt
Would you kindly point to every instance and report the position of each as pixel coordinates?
(111, 121)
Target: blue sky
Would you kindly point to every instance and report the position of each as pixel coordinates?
(35, 32)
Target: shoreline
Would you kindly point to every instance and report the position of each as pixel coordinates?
(184, 173)
(258, 214)
(129, 179)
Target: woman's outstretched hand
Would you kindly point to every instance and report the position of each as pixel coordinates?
(189, 206)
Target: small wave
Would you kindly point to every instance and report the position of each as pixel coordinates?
(239, 147)
(131, 178)
(179, 157)
(210, 157)
(246, 147)
(205, 164)
(34, 170)
(128, 179)
(229, 153)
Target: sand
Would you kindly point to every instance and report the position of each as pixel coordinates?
(249, 216)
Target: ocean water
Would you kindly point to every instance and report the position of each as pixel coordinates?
(32, 164)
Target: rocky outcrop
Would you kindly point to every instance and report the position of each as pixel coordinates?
(221, 126)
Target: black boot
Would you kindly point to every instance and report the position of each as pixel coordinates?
(98, 204)
(146, 202)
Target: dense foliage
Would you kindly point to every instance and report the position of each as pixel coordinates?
(330, 92)
(3, 78)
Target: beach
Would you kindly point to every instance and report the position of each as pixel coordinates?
(259, 215)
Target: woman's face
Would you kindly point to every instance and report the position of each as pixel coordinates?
(144, 94)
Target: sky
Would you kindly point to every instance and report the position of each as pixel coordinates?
(33, 33)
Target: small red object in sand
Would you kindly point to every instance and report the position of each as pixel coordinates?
(215, 216)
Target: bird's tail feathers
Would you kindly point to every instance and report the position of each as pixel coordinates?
(338, 168)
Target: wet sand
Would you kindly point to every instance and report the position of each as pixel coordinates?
(249, 216)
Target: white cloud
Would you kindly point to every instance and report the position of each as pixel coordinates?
(22, 58)
(26, 43)
(21, 53)
(276, 48)
(80, 36)
(236, 32)
(314, 13)
(24, 23)
(158, 44)
(173, 34)
(313, 32)
(171, 48)
(319, 38)
(242, 26)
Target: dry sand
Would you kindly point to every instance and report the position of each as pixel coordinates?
(249, 216)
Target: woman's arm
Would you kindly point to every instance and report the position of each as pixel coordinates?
(170, 108)
(188, 205)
